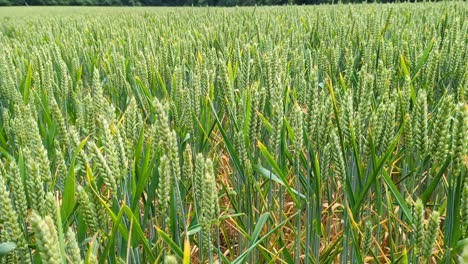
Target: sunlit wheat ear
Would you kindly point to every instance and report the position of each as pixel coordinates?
(35, 186)
(186, 122)
(409, 134)
(7, 84)
(164, 186)
(87, 209)
(188, 164)
(46, 239)
(101, 211)
(325, 162)
(11, 257)
(357, 126)
(367, 238)
(17, 189)
(110, 149)
(44, 165)
(241, 146)
(440, 132)
(347, 115)
(61, 125)
(99, 103)
(464, 206)
(430, 235)
(460, 137)
(198, 177)
(387, 126)
(337, 156)
(103, 168)
(90, 115)
(132, 125)
(9, 217)
(77, 105)
(162, 118)
(420, 126)
(6, 120)
(209, 204)
(61, 169)
(196, 90)
(405, 98)
(297, 125)
(72, 248)
(3, 236)
(51, 206)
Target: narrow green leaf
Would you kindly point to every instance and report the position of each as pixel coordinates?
(399, 198)
(241, 257)
(174, 247)
(435, 181)
(271, 176)
(68, 201)
(278, 171)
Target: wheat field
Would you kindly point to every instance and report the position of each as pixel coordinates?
(294, 134)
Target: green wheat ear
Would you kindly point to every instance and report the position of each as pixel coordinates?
(459, 137)
(418, 224)
(440, 132)
(60, 166)
(34, 185)
(122, 153)
(297, 125)
(103, 168)
(87, 209)
(110, 150)
(164, 186)
(61, 125)
(337, 155)
(209, 204)
(72, 248)
(188, 164)
(325, 161)
(17, 189)
(367, 238)
(420, 124)
(430, 235)
(464, 207)
(347, 115)
(9, 217)
(198, 177)
(46, 239)
(51, 206)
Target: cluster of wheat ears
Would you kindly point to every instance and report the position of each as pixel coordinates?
(326, 134)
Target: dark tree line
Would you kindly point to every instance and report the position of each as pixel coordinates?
(170, 2)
